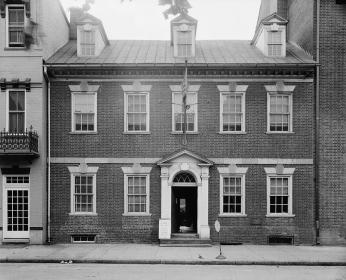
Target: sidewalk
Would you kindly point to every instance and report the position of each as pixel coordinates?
(154, 254)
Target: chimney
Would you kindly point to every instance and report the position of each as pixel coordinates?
(75, 14)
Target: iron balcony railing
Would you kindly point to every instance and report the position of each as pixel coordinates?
(19, 143)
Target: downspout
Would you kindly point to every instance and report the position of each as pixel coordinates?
(317, 128)
(48, 154)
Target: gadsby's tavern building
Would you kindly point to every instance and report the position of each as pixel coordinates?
(120, 168)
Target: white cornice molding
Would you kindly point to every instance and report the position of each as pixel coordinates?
(283, 171)
(191, 88)
(136, 168)
(136, 87)
(84, 87)
(230, 88)
(83, 169)
(232, 169)
(280, 87)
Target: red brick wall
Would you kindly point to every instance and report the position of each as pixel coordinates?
(111, 142)
(111, 226)
(333, 123)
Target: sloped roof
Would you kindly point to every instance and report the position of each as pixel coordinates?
(149, 52)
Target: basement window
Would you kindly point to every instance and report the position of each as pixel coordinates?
(83, 238)
(280, 240)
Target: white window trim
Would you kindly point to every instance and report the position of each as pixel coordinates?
(73, 128)
(7, 100)
(7, 24)
(233, 171)
(80, 29)
(279, 28)
(196, 113)
(82, 170)
(184, 27)
(243, 93)
(147, 96)
(290, 100)
(136, 170)
(286, 173)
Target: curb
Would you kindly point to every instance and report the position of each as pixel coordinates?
(178, 262)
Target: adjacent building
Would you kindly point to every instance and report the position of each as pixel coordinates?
(28, 36)
(138, 155)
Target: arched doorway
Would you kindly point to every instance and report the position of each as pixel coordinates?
(184, 203)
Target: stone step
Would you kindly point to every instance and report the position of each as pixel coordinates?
(185, 242)
(16, 241)
(184, 235)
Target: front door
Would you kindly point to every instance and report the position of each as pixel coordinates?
(184, 209)
(16, 207)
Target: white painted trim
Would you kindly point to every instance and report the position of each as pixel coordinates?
(138, 170)
(14, 186)
(227, 88)
(147, 191)
(245, 80)
(178, 88)
(286, 88)
(243, 100)
(136, 87)
(7, 24)
(272, 171)
(290, 187)
(232, 170)
(7, 100)
(73, 127)
(80, 89)
(290, 104)
(233, 175)
(196, 113)
(72, 190)
(147, 98)
(221, 161)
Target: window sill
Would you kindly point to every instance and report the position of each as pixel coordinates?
(187, 132)
(83, 133)
(232, 215)
(232, 132)
(280, 216)
(280, 132)
(15, 48)
(82, 214)
(136, 214)
(136, 132)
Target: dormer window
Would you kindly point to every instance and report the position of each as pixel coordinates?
(15, 25)
(274, 43)
(184, 43)
(87, 42)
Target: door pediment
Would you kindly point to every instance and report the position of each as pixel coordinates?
(184, 156)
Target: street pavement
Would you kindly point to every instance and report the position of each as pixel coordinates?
(154, 254)
(167, 272)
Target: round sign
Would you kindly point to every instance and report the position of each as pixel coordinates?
(217, 226)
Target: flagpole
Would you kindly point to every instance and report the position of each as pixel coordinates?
(185, 90)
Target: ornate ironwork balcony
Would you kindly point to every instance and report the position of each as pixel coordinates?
(24, 144)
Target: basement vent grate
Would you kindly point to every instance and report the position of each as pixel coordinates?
(84, 238)
(280, 240)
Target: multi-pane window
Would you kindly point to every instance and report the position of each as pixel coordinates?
(16, 111)
(184, 43)
(17, 210)
(137, 194)
(137, 112)
(232, 112)
(274, 43)
(232, 195)
(191, 112)
(84, 112)
(87, 43)
(280, 107)
(16, 20)
(84, 194)
(279, 195)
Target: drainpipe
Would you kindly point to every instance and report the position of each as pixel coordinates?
(48, 153)
(317, 128)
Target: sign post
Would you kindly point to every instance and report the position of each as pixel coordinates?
(217, 229)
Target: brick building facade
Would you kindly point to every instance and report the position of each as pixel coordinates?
(120, 170)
